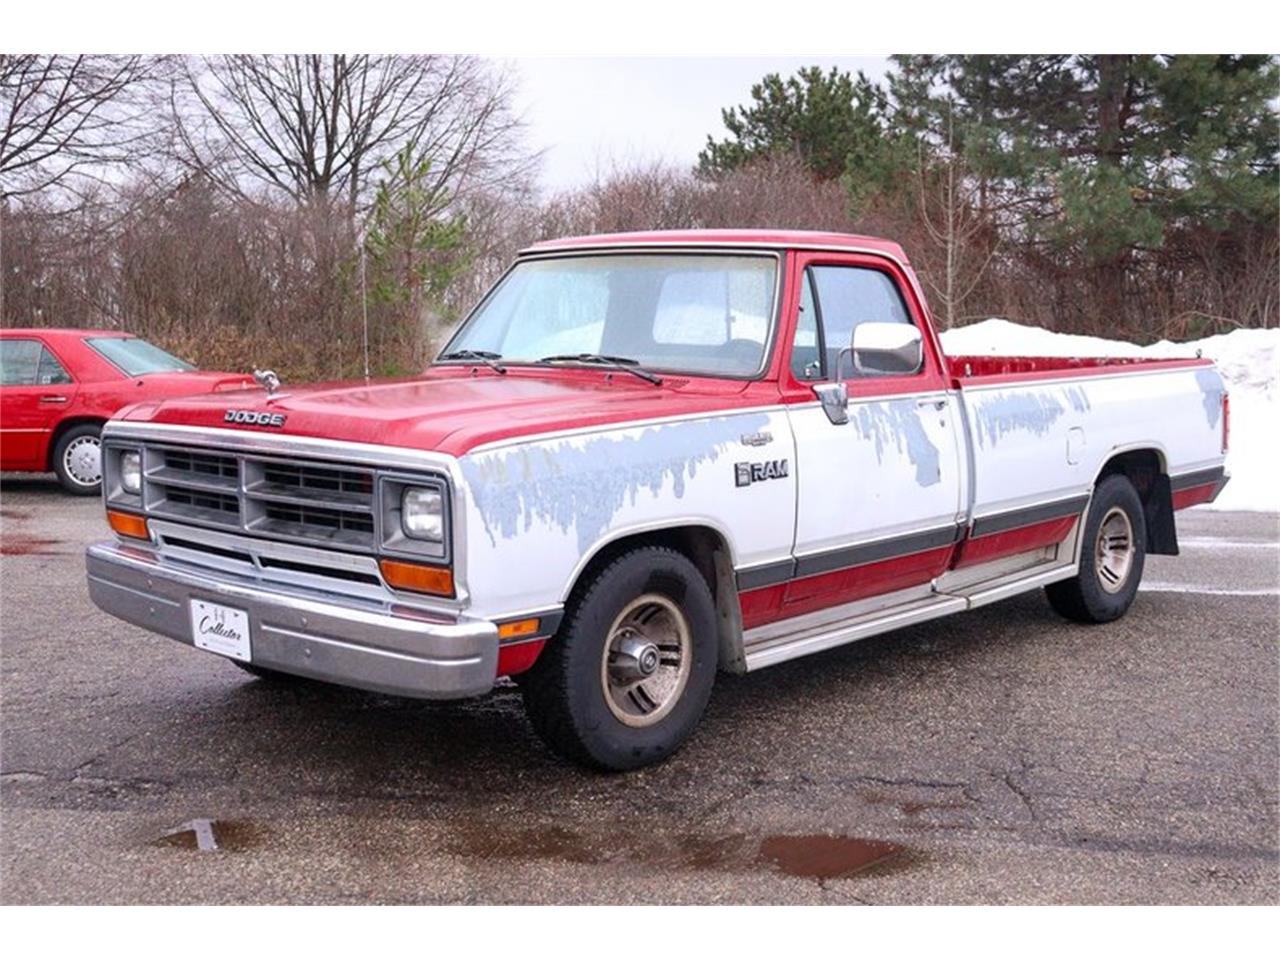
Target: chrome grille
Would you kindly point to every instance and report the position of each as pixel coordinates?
(289, 500)
(292, 476)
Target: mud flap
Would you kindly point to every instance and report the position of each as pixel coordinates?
(1162, 533)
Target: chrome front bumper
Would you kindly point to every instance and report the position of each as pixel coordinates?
(353, 642)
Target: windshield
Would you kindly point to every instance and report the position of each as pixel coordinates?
(686, 313)
(136, 357)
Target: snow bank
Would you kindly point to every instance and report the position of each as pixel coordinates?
(1247, 359)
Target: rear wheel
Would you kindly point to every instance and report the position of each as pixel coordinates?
(77, 460)
(1112, 557)
(626, 679)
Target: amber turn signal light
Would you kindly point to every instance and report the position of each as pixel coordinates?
(518, 628)
(417, 577)
(128, 525)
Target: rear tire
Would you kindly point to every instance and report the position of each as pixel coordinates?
(77, 460)
(1112, 555)
(627, 677)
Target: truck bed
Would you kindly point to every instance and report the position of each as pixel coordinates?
(984, 367)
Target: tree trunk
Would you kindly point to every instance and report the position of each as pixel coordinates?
(1113, 77)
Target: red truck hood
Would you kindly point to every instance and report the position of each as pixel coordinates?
(451, 410)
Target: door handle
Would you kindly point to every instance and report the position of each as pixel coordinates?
(53, 399)
(937, 404)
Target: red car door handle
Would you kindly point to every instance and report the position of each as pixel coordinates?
(53, 399)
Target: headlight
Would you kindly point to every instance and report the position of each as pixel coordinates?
(131, 472)
(422, 513)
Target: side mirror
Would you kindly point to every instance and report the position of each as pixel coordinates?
(835, 400)
(887, 348)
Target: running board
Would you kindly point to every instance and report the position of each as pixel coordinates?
(774, 643)
(1001, 588)
(806, 641)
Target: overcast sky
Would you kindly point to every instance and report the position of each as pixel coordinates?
(589, 113)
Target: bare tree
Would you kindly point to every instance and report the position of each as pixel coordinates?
(66, 117)
(316, 127)
(64, 122)
(952, 218)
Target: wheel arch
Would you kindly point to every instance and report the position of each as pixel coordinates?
(60, 431)
(708, 547)
(1146, 466)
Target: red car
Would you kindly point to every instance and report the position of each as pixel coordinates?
(58, 387)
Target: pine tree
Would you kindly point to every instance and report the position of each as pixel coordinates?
(415, 245)
(833, 121)
(1094, 163)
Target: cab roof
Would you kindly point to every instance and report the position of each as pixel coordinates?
(769, 239)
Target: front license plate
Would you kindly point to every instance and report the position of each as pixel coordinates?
(223, 630)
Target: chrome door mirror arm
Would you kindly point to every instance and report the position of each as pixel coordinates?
(834, 398)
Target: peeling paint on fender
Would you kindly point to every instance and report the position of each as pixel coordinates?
(581, 483)
(1033, 410)
(1211, 387)
(1078, 399)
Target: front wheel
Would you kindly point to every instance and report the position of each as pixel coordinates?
(625, 680)
(1112, 555)
(77, 460)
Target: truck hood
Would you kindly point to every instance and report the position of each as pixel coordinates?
(451, 410)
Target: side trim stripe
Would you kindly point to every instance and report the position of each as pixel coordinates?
(856, 556)
(1012, 519)
(1199, 478)
(766, 575)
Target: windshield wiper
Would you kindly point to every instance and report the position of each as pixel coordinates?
(487, 357)
(617, 363)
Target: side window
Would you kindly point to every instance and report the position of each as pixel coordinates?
(806, 355)
(848, 296)
(51, 371)
(19, 362)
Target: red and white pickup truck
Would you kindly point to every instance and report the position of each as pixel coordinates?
(640, 459)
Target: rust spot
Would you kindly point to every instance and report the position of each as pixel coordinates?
(825, 858)
(24, 546)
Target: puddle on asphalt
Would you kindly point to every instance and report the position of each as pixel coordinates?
(209, 836)
(825, 858)
(815, 856)
(24, 546)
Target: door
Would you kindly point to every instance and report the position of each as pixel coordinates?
(34, 390)
(879, 498)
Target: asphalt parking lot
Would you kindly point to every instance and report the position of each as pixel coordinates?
(1000, 756)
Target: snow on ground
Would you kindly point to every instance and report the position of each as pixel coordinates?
(1247, 359)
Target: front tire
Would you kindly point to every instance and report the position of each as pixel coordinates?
(77, 460)
(626, 679)
(1112, 556)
